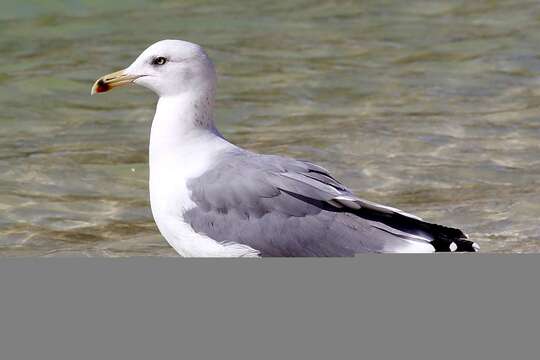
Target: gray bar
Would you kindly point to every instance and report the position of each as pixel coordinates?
(372, 307)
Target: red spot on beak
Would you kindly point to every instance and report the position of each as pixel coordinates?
(102, 87)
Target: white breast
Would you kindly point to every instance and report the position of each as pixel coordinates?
(170, 169)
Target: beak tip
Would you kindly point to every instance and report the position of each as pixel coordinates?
(99, 87)
(95, 87)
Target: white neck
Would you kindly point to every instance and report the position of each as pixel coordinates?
(180, 117)
(183, 123)
(184, 143)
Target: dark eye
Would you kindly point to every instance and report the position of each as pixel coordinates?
(159, 61)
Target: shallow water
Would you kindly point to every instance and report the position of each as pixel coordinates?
(429, 106)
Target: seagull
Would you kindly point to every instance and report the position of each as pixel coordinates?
(211, 198)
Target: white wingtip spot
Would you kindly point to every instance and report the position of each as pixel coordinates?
(453, 247)
(476, 247)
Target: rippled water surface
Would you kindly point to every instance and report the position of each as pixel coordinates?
(430, 106)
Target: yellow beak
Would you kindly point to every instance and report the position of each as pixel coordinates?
(110, 81)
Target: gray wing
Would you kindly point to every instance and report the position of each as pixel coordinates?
(285, 207)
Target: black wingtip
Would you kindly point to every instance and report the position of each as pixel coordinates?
(447, 239)
(466, 246)
(444, 239)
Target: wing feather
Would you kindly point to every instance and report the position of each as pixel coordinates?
(286, 207)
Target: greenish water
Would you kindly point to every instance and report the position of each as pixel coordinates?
(430, 106)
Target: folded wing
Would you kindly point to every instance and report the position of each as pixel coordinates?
(285, 207)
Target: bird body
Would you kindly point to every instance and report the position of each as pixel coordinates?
(211, 198)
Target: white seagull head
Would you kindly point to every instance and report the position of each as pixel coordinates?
(168, 68)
